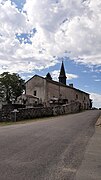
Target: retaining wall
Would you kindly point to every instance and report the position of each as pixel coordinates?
(37, 112)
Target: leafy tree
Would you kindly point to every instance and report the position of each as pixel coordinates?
(11, 86)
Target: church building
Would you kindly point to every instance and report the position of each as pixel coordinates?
(49, 92)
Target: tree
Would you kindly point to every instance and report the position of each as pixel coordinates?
(11, 86)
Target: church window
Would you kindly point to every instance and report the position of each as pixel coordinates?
(34, 93)
(76, 96)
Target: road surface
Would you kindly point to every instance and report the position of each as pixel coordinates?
(48, 149)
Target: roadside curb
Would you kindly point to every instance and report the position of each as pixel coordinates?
(98, 123)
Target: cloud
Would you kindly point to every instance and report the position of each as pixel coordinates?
(63, 28)
(86, 86)
(71, 76)
(55, 75)
(11, 22)
(96, 99)
(67, 26)
(97, 80)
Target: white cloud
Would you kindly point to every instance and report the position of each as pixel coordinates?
(97, 80)
(71, 76)
(11, 22)
(55, 75)
(86, 86)
(96, 99)
(64, 27)
(71, 26)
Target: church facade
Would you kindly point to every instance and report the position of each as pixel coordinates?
(49, 92)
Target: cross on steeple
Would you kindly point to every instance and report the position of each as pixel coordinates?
(62, 76)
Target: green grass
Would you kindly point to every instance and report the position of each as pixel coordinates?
(23, 121)
(30, 120)
(6, 123)
(18, 122)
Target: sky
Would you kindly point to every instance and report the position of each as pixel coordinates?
(37, 35)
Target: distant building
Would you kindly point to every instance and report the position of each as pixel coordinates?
(50, 92)
(28, 100)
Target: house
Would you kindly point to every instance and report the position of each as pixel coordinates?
(51, 92)
(28, 100)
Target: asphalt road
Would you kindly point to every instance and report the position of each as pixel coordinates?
(51, 149)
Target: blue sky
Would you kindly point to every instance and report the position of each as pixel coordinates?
(35, 37)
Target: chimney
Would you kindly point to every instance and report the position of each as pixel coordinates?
(71, 85)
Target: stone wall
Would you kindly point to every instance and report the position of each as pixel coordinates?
(46, 90)
(5, 112)
(57, 90)
(38, 112)
(31, 113)
(67, 109)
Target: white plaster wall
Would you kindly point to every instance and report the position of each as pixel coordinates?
(37, 84)
(55, 90)
(46, 90)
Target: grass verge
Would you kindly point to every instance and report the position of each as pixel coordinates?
(23, 121)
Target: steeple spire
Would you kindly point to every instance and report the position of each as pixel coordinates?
(62, 76)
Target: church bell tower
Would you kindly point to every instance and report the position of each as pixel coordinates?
(62, 76)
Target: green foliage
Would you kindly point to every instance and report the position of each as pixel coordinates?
(11, 86)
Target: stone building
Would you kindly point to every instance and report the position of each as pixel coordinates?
(50, 92)
(28, 100)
